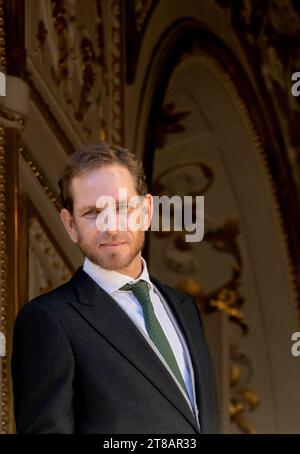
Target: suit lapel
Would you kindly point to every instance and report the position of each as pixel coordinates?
(103, 313)
(190, 328)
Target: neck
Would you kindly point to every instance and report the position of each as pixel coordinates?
(134, 269)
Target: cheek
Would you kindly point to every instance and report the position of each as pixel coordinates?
(136, 236)
(87, 231)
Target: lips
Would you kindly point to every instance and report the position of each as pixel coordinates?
(111, 244)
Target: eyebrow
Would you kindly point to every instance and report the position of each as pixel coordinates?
(93, 207)
(87, 208)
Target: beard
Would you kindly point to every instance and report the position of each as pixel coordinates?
(113, 260)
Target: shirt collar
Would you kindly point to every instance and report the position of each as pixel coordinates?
(110, 280)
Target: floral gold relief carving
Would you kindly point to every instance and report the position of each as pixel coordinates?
(67, 66)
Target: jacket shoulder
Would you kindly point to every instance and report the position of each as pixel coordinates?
(54, 300)
(172, 290)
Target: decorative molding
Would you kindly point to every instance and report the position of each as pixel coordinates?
(40, 255)
(3, 245)
(41, 178)
(50, 259)
(3, 262)
(50, 118)
(214, 55)
(269, 34)
(244, 399)
(272, 156)
(138, 14)
(66, 65)
(257, 142)
(117, 81)
(223, 239)
(14, 106)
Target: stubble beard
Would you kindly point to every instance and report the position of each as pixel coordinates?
(113, 260)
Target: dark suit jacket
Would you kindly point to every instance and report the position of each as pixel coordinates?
(80, 365)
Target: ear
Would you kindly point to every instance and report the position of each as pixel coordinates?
(67, 220)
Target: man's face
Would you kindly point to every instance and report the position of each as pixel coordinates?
(111, 249)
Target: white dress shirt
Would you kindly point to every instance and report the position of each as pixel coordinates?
(111, 281)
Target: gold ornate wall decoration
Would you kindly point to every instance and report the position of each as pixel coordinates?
(176, 252)
(100, 48)
(269, 34)
(167, 183)
(40, 236)
(43, 283)
(243, 399)
(170, 122)
(60, 72)
(227, 297)
(43, 264)
(101, 60)
(142, 9)
(116, 64)
(41, 36)
(246, 117)
(138, 14)
(224, 239)
(88, 77)
(2, 38)
(66, 64)
(179, 180)
(46, 255)
(14, 108)
(41, 177)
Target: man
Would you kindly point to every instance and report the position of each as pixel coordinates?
(114, 350)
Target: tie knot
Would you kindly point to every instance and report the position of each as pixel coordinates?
(139, 289)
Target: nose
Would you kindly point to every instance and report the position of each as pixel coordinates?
(107, 222)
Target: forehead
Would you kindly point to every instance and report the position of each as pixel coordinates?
(107, 180)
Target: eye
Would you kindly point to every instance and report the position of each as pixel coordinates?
(125, 207)
(122, 206)
(92, 213)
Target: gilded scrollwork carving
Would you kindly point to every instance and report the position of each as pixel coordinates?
(243, 399)
(192, 178)
(67, 64)
(224, 239)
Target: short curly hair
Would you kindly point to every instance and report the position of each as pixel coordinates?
(93, 156)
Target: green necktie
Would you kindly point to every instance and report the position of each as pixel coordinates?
(154, 329)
